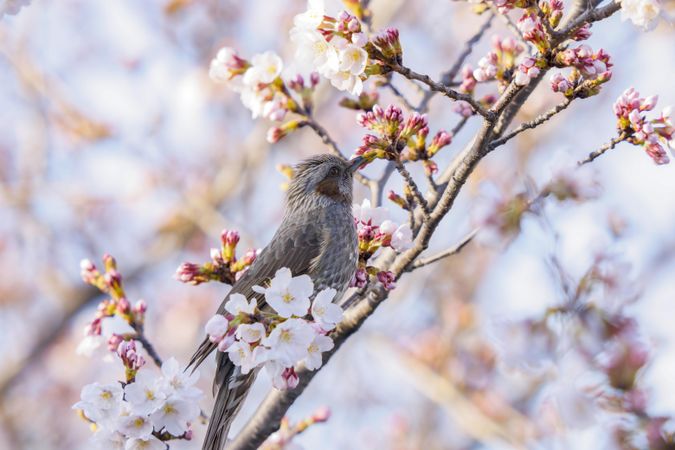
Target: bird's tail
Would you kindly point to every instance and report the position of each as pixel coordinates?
(230, 388)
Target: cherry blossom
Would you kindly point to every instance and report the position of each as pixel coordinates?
(179, 383)
(216, 327)
(144, 394)
(288, 295)
(145, 443)
(238, 304)
(319, 345)
(135, 426)
(250, 333)
(643, 13)
(100, 402)
(367, 215)
(241, 355)
(289, 341)
(174, 415)
(325, 313)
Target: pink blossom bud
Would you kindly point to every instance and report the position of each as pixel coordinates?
(189, 273)
(649, 103)
(360, 278)
(94, 328)
(113, 279)
(321, 415)
(463, 108)
(123, 306)
(229, 237)
(387, 279)
(353, 25)
(114, 342)
(226, 341)
(140, 307)
(188, 435)
(314, 79)
(290, 378)
(109, 262)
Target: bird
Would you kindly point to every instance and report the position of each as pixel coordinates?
(317, 237)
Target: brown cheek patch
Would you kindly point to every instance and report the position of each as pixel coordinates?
(329, 187)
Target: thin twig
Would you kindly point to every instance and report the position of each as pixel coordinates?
(531, 124)
(149, 348)
(398, 94)
(508, 22)
(608, 146)
(445, 253)
(443, 89)
(414, 189)
(448, 77)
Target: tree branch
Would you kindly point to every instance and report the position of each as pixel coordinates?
(445, 253)
(601, 151)
(531, 124)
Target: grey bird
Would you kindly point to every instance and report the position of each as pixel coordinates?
(317, 237)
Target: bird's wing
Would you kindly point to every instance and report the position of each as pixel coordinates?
(295, 245)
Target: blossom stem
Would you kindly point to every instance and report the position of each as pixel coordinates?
(531, 124)
(608, 146)
(445, 253)
(448, 77)
(443, 89)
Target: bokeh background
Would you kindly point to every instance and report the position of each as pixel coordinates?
(113, 139)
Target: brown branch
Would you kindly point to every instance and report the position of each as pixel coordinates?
(443, 89)
(448, 77)
(410, 182)
(601, 151)
(445, 253)
(531, 124)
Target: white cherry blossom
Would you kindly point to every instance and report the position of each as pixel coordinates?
(178, 383)
(289, 295)
(100, 402)
(325, 313)
(319, 345)
(174, 415)
(240, 354)
(250, 332)
(107, 439)
(216, 327)
(401, 239)
(353, 59)
(265, 67)
(144, 394)
(135, 426)
(312, 18)
(346, 81)
(238, 304)
(288, 342)
(314, 51)
(366, 214)
(146, 443)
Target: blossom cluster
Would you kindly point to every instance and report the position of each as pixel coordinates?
(144, 412)
(257, 82)
(224, 265)
(398, 137)
(651, 134)
(333, 46)
(500, 64)
(589, 70)
(376, 231)
(117, 305)
(282, 337)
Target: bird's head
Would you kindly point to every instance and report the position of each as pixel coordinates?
(325, 178)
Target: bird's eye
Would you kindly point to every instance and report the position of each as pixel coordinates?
(334, 172)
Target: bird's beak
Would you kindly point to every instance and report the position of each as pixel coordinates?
(355, 163)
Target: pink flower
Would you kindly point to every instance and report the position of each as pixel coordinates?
(387, 279)
(560, 84)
